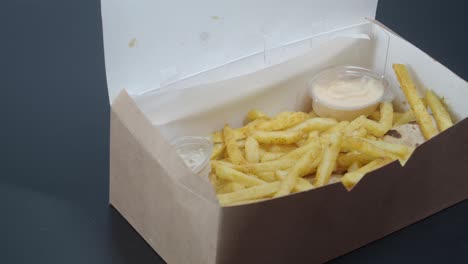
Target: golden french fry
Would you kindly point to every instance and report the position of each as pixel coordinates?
(379, 129)
(218, 151)
(301, 168)
(283, 120)
(301, 183)
(268, 176)
(230, 174)
(350, 179)
(230, 187)
(317, 123)
(281, 148)
(354, 125)
(243, 132)
(274, 165)
(233, 151)
(252, 151)
(441, 114)
(336, 128)
(267, 156)
(405, 118)
(328, 162)
(422, 116)
(376, 116)
(363, 146)
(256, 114)
(298, 152)
(403, 152)
(354, 166)
(255, 192)
(277, 137)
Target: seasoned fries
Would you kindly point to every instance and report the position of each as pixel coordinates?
(277, 137)
(252, 150)
(283, 120)
(233, 151)
(296, 151)
(328, 162)
(441, 114)
(409, 89)
(301, 168)
(351, 178)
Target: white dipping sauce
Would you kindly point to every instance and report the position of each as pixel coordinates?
(352, 93)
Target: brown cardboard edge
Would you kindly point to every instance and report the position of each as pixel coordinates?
(324, 223)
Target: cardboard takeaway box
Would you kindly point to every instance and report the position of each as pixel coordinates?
(177, 68)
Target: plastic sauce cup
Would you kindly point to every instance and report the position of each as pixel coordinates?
(347, 92)
(196, 153)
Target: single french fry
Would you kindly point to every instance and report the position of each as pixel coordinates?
(277, 137)
(354, 125)
(363, 146)
(379, 129)
(354, 166)
(405, 118)
(376, 116)
(422, 116)
(268, 176)
(402, 151)
(298, 152)
(243, 132)
(255, 192)
(350, 179)
(328, 163)
(283, 120)
(230, 187)
(256, 114)
(317, 123)
(441, 115)
(301, 168)
(230, 174)
(302, 184)
(252, 152)
(218, 151)
(274, 165)
(233, 151)
(268, 156)
(336, 128)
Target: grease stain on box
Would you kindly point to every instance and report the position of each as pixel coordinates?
(132, 43)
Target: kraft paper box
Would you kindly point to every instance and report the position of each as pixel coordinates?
(184, 68)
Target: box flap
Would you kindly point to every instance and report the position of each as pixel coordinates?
(151, 43)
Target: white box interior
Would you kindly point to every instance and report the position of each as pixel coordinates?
(280, 84)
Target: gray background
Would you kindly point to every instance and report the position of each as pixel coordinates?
(54, 135)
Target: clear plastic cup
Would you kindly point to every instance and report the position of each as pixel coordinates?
(325, 107)
(195, 152)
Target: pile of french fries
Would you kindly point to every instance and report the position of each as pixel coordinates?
(296, 151)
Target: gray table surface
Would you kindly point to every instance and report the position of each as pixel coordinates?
(54, 136)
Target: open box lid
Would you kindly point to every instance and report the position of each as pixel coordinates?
(151, 43)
